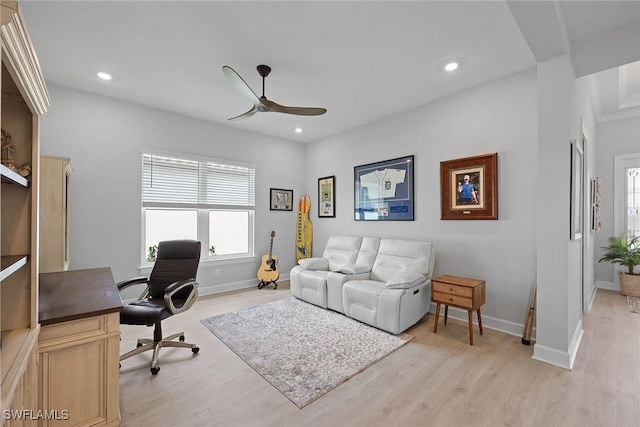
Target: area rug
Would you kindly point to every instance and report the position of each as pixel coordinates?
(302, 350)
(634, 304)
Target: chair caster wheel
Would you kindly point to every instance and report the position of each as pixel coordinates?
(155, 370)
(195, 349)
(181, 338)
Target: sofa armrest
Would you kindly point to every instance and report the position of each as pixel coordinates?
(406, 280)
(314, 264)
(354, 269)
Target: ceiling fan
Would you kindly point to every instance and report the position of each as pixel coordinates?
(262, 104)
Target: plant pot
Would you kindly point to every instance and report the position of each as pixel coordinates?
(630, 284)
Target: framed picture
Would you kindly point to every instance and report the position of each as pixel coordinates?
(577, 170)
(327, 197)
(469, 187)
(384, 190)
(596, 185)
(281, 200)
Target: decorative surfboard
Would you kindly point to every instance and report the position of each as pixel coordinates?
(304, 230)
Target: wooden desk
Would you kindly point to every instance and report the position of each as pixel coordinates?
(79, 346)
(459, 292)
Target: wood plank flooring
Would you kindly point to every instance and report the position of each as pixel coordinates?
(435, 380)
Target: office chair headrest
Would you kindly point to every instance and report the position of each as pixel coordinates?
(179, 249)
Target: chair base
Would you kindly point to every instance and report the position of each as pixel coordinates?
(146, 344)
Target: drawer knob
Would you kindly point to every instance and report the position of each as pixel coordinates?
(450, 299)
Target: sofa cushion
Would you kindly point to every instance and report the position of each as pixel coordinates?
(396, 256)
(405, 280)
(341, 250)
(314, 263)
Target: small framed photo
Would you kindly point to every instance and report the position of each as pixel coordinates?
(327, 197)
(469, 187)
(281, 200)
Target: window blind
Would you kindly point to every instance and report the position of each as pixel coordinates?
(169, 181)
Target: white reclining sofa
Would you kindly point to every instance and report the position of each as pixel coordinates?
(384, 283)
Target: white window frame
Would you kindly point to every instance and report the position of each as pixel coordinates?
(202, 217)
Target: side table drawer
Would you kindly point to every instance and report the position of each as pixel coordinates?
(460, 301)
(448, 288)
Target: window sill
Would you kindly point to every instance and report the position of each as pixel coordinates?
(216, 261)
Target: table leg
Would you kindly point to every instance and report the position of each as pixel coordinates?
(446, 313)
(470, 326)
(435, 326)
(480, 321)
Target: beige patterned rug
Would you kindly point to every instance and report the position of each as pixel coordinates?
(634, 304)
(302, 350)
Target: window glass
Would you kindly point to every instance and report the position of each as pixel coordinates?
(163, 224)
(229, 232)
(633, 202)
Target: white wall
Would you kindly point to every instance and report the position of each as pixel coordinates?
(103, 138)
(498, 117)
(584, 121)
(616, 137)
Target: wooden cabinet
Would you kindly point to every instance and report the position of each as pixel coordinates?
(78, 348)
(78, 371)
(459, 292)
(24, 99)
(54, 215)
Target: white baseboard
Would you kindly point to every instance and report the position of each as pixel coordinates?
(212, 289)
(601, 284)
(494, 323)
(563, 359)
(591, 300)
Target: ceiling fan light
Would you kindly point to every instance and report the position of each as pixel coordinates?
(298, 130)
(104, 76)
(451, 66)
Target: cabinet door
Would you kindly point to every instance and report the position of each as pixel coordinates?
(73, 379)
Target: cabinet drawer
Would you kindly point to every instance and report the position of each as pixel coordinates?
(448, 288)
(460, 301)
(90, 327)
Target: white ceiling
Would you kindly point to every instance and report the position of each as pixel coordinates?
(361, 60)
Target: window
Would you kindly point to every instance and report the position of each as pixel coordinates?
(195, 198)
(633, 202)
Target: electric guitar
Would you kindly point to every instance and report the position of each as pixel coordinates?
(268, 271)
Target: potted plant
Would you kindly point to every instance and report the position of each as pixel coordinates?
(625, 252)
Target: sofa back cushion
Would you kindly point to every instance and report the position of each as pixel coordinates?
(368, 252)
(397, 256)
(341, 250)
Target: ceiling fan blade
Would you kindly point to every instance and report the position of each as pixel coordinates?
(246, 115)
(299, 111)
(240, 84)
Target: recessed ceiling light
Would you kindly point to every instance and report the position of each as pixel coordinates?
(104, 76)
(451, 66)
(298, 130)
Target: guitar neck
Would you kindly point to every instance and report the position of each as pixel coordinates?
(270, 248)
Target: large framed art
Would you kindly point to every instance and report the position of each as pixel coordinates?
(383, 191)
(469, 187)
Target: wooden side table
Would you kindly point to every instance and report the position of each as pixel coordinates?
(459, 292)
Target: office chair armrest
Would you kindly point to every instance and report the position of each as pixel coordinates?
(130, 282)
(135, 281)
(175, 287)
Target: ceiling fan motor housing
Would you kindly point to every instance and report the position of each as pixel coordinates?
(263, 70)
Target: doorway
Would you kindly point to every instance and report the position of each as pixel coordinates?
(626, 193)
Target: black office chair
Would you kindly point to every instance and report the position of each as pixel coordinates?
(171, 289)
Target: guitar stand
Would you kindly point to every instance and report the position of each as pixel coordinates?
(262, 284)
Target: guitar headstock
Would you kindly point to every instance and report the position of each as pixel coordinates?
(273, 234)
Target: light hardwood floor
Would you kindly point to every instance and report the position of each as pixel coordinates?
(435, 380)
